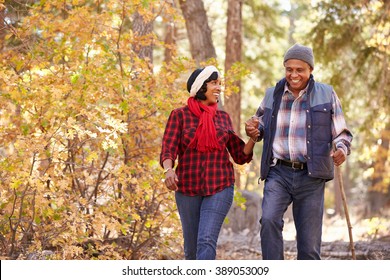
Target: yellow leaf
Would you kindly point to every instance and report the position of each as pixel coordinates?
(92, 156)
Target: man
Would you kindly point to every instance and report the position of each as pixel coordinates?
(305, 134)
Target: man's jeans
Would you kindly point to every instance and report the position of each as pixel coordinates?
(201, 219)
(283, 186)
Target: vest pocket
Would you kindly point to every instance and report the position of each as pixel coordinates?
(322, 115)
(322, 123)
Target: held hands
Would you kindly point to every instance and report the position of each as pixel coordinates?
(252, 127)
(171, 180)
(338, 157)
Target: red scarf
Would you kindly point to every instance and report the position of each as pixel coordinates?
(205, 139)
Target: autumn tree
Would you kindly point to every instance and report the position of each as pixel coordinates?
(81, 117)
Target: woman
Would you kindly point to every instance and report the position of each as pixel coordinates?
(202, 138)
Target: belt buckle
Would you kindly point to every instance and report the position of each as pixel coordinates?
(296, 165)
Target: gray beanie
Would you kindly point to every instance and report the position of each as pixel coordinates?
(300, 52)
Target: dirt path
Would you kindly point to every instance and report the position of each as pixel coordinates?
(371, 241)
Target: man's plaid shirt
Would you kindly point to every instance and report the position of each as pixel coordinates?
(202, 173)
(290, 136)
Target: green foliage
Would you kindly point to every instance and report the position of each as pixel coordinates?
(351, 42)
(263, 29)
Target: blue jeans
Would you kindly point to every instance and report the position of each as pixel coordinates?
(283, 186)
(201, 219)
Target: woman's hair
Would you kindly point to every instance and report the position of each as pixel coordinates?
(200, 95)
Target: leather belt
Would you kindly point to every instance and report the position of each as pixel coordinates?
(293, 164)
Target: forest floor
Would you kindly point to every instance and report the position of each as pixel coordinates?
(371, 241)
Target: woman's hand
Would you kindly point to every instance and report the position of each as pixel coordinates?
(171, 180)
(252, 127)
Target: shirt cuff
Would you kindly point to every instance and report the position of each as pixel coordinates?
(260, 137)
(342, 147)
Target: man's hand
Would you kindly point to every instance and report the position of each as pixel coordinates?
(338, 157)
(252, 128)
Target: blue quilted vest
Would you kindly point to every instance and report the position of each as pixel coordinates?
(318, 128)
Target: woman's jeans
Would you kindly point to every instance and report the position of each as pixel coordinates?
(201, 219)
(283, 186)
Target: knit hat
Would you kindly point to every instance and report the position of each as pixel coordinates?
(198, 77)
(300, 52)
(192, 78)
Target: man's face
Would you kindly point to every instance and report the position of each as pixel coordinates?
(297, 74)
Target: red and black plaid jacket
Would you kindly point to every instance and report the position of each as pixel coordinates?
(202, 173)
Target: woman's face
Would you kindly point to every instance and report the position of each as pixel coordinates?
(213, 92)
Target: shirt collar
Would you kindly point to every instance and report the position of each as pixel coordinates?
(302, 92)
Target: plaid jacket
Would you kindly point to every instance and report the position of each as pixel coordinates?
(202, 173)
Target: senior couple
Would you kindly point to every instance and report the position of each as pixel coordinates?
(304, 134)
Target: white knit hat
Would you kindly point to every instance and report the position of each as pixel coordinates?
(197, 78)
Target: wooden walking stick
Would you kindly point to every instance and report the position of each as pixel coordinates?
(340, 181)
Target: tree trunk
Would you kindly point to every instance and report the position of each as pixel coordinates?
(170, 38)
(142, 28)
(3, 30)
(292, 15)
(170, 41)
(232, 103)
(198, 30)
(233, 54)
